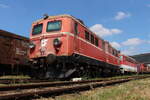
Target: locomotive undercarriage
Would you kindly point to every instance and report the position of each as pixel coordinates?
(66, 67)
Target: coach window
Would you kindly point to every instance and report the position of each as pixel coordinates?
(96, 41)
(92, 39)
(37, 29)
(87, 35)
(54, 26)
(76, 28)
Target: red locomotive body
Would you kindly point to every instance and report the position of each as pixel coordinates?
(128, 64)
(63, 46)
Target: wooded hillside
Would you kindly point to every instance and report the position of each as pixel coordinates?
(142, 57)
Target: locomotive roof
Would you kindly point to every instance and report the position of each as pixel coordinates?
(12, 35)
(58, 16)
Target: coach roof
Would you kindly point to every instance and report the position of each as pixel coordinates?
(12, 35)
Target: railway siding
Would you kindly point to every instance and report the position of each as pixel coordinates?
(14, 94)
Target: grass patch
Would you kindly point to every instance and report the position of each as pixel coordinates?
(3, 85)
(15, 77)
(114, 77)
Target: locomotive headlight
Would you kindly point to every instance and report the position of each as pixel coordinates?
(31, 45)
(57, 42)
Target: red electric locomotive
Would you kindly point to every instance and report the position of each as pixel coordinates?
(62, 47)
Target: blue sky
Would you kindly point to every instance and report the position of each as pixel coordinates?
(124, 23)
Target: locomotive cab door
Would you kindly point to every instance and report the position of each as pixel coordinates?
(76, 34)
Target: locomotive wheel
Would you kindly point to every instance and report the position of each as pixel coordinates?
(51, 58)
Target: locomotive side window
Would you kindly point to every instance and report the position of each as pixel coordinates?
(87, 37)
(76, 28)
(92, 39)
(103, 45)
(116, 53)
(96, 41)
(53, 26)
(37, 29)
(109, 49)
(113, 52)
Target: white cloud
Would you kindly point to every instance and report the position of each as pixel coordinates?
(133, 42)
(100, 30)
(4, 6)
(148, 5)
(131, 46)
(115, 45)
(121, 15)
(149, 35)
(130, 51)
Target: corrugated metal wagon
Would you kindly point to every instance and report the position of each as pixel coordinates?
(13, 51)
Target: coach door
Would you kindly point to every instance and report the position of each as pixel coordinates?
(76, 41)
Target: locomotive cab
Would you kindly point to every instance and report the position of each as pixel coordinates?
(48, 37)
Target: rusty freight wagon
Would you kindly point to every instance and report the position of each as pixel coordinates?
(13, 50)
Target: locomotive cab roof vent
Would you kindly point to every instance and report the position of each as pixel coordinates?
(45, 16)
(80, 21)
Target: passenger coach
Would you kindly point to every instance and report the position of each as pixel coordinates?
(128, 64)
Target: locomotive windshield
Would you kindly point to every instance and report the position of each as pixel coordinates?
(53, 26)
(37, 29)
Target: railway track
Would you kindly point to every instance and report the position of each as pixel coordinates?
(16, 81)
(55, 88)
(46, 83)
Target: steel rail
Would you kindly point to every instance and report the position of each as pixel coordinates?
(15, 81)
